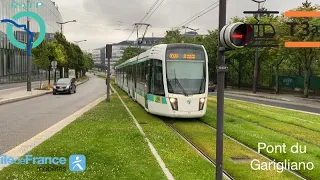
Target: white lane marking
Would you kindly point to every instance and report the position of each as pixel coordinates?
(28, 145)
(152, 148)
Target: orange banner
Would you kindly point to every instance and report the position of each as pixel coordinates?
(302, 44)
(302, 14)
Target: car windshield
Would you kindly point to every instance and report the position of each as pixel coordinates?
(63, 81)
(186, 77)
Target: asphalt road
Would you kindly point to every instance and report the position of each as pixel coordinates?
(20, 85)
(271, 102)
(22, 120)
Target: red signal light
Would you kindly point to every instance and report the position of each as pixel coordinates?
(237, 36)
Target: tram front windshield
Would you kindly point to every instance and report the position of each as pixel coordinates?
(186, 71)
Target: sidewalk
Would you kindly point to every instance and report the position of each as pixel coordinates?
(282, 97)
(16, 94)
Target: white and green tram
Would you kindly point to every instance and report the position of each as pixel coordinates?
(168, 80)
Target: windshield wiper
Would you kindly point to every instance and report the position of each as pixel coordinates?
(177, 82)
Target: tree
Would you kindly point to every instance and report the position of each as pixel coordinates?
(47, 52)
(173, 36)
(67, 50)
(304, 55)
(40, 56)
(210, 42)
(76, 59)
(88, 61)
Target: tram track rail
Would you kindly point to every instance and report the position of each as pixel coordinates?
(253, 150)
(227, 175)
(196, 148)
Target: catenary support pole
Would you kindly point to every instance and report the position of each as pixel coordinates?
(221, 70)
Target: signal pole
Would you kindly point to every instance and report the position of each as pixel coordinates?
(28, 57)
(221, 70)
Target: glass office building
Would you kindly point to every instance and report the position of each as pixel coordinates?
(13, 61)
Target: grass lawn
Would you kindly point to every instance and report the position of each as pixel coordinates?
(183, 162)
(107, 136)
(237, 158)
(251, 123)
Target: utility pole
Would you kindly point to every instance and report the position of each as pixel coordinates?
(256, 59)
(221, 70)
(28, 57)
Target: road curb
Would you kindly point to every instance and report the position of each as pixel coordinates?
(33, 96)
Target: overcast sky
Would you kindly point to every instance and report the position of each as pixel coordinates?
(111, 21)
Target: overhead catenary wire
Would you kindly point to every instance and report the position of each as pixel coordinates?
(197, 16)
(130, 34)
(154, 4)
(154, 11)
(147, 16)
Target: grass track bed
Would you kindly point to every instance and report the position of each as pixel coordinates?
(309, 121)
(106, 135)
(289, 129)
(249, 133)
(183, 162)
(205, 138)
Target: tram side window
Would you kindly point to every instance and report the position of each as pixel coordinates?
(125, 76)
(129, 75)
(122, 76)
(143, 73)
(117, 75)
(146, 71)
(157, 78)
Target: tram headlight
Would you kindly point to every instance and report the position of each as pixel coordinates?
(201, 103)
(173, 100)
(174, 103)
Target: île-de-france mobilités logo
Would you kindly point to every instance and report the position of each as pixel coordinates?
(10, 33)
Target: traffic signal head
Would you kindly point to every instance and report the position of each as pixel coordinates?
(236, 35)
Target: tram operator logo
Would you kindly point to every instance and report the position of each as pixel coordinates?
(10, 33)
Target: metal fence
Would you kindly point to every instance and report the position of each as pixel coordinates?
(22, 77)
(293, 82)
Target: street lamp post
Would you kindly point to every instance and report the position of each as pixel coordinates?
(185, 28)
(80, 41)
(62, 23)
